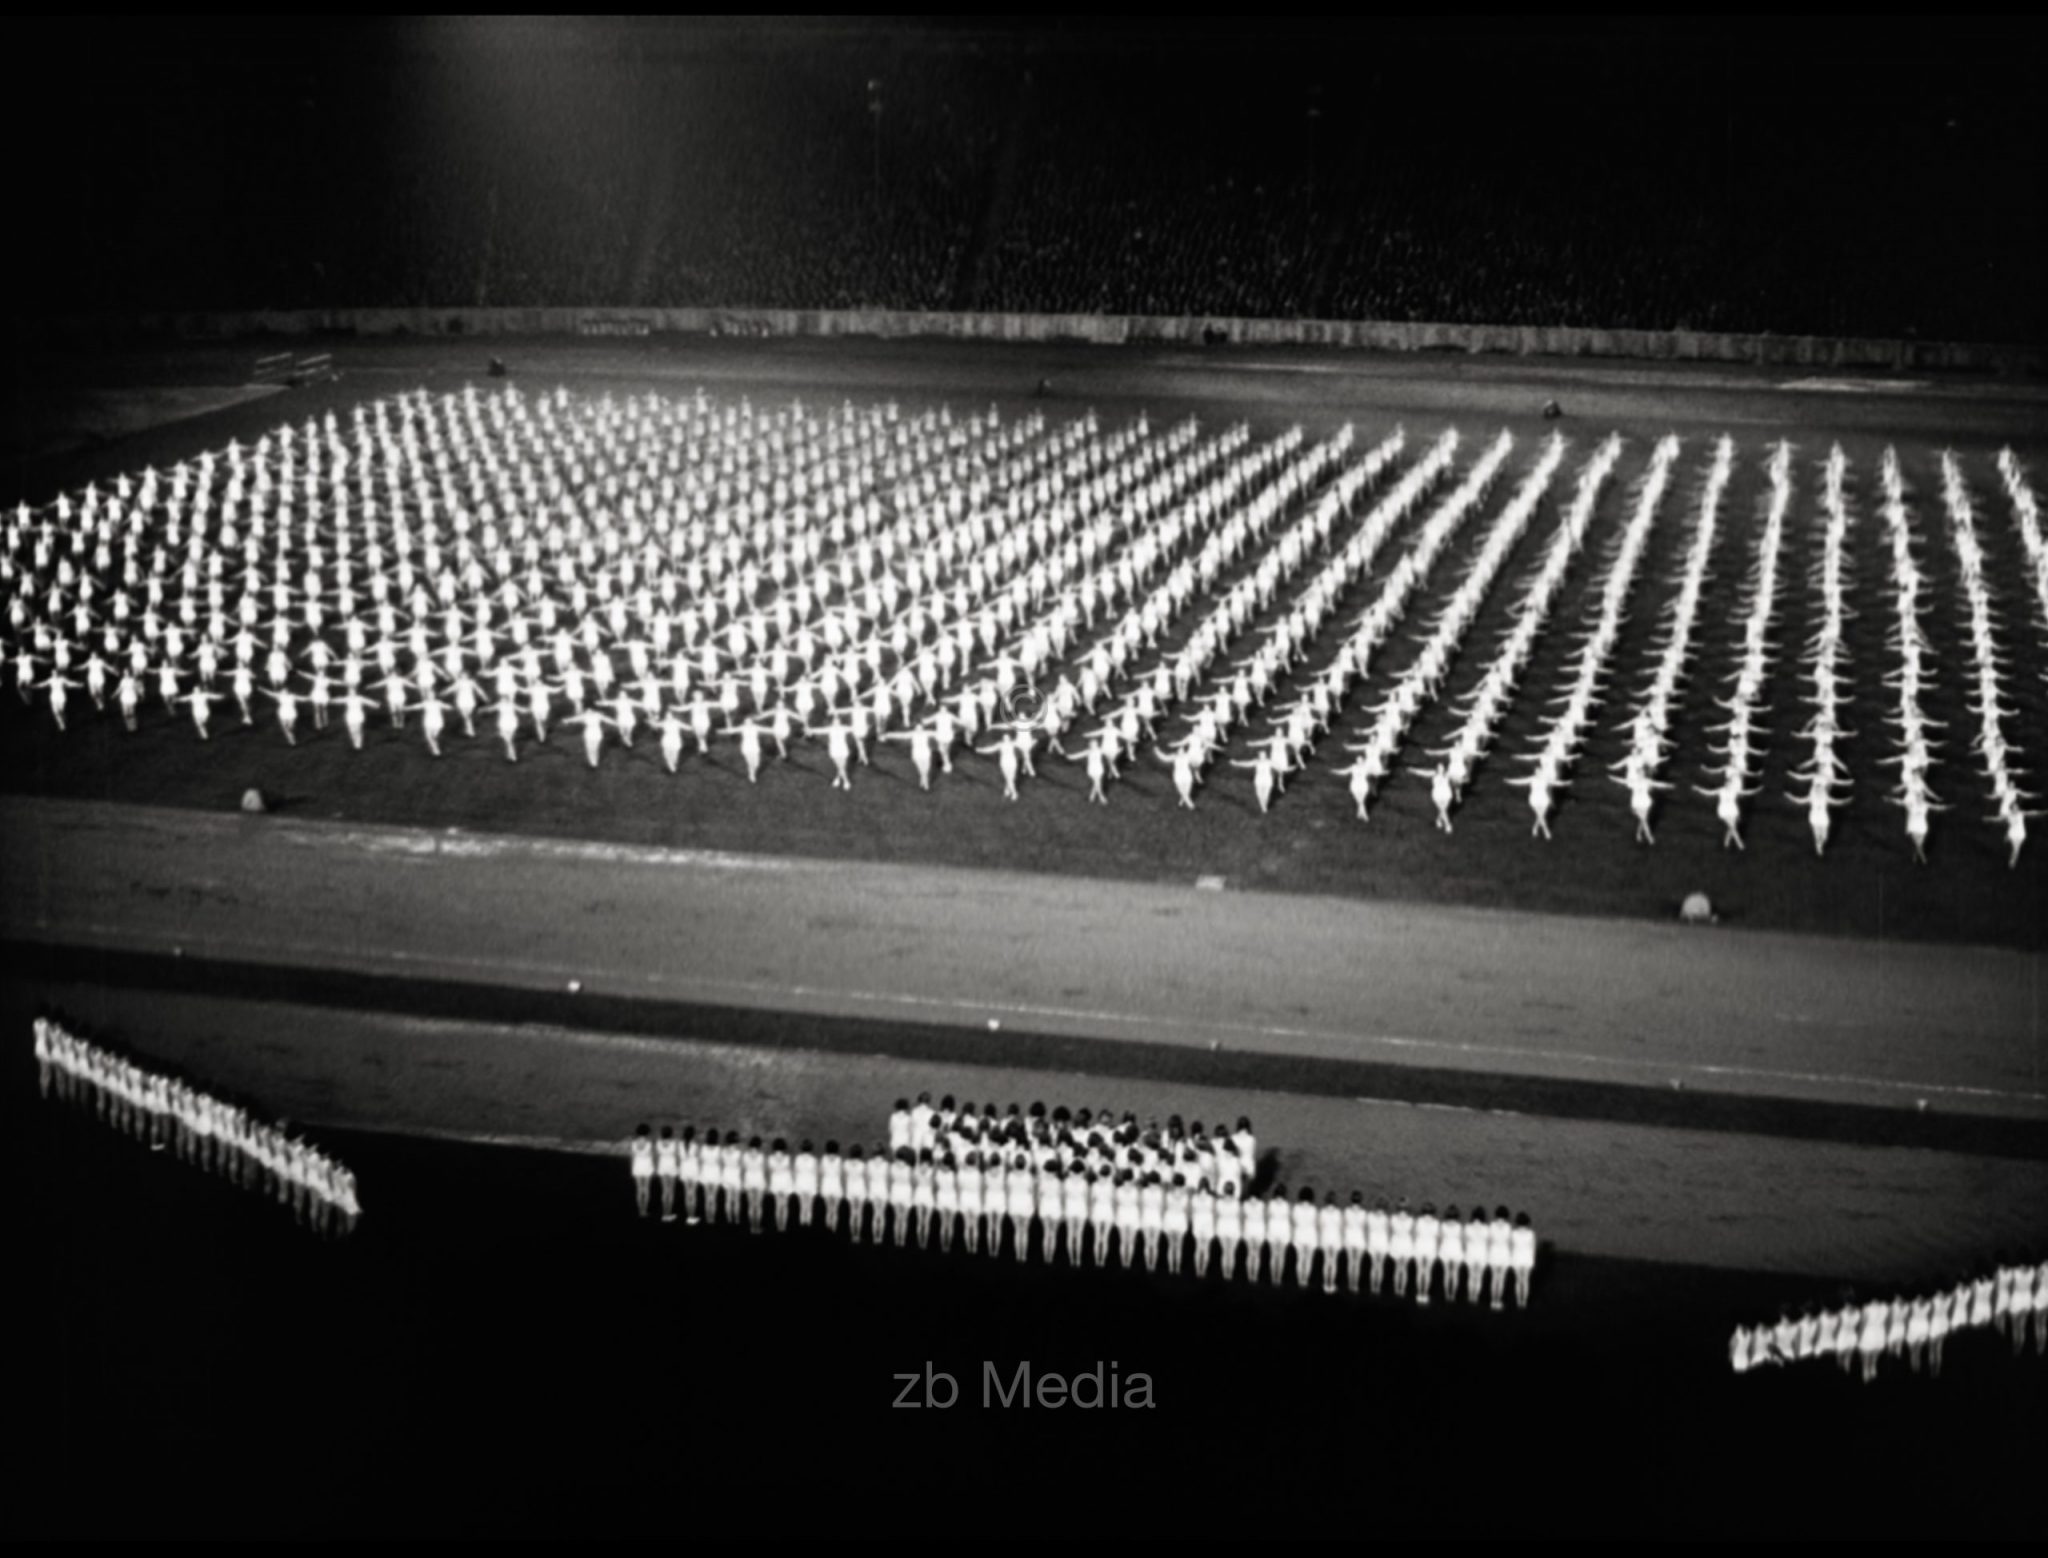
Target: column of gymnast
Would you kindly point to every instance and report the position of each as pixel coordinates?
(1989, 701)
(1651, 740)
(1740, 755)
(208, 1132)
(2013, 1299)
(2026, 519)
(1565, 732)
(1916, 755)
(1490, 699)
(1097, 1188)
(1824, 774)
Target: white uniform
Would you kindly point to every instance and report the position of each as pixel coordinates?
(1379, 1235)
(1229, 1230)
(832, 1187)
(1021, 1196)
(1173, 1212)
(1355, 1242)
(804, 1174)
(1451, 1250)
(781, 1186)
(753, 1167)
(857, 1193)
(1151, 1212)
(1330, 1240)
(924, 1197)
(1426, 1236)
(729, 1175)
(1127, 1220)
(971, 1194)
(1847, 1321)
(1255, 1235)
(1306, 1234)
(1101, 1213)
(690, 1173)
(1870, 1334)
(1075, 1197)
(1279, 1234)
(901, 1193)
(1202, 1219)
(1500, 1255)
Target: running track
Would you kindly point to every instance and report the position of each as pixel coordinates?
(1292, 978)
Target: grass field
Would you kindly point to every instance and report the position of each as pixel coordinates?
(1866, 885)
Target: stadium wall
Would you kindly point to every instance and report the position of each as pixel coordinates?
(1361, 335)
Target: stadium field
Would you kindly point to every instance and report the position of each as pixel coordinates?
(1856, 996)
(1364, 680)
(1866, 885)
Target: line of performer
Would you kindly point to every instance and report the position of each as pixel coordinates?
(2012, 1299)
(1012, 1203)
(208, 1132)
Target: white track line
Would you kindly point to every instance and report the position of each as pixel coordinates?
(355, 959)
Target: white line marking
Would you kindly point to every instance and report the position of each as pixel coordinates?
(1856, 386)
(468, 846)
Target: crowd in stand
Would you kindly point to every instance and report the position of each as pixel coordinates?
(169, 1114)
(2011, 1299)
(1094, 1187)
(845, 196)
(1009, 182)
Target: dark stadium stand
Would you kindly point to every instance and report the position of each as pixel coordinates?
(1712, 191)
